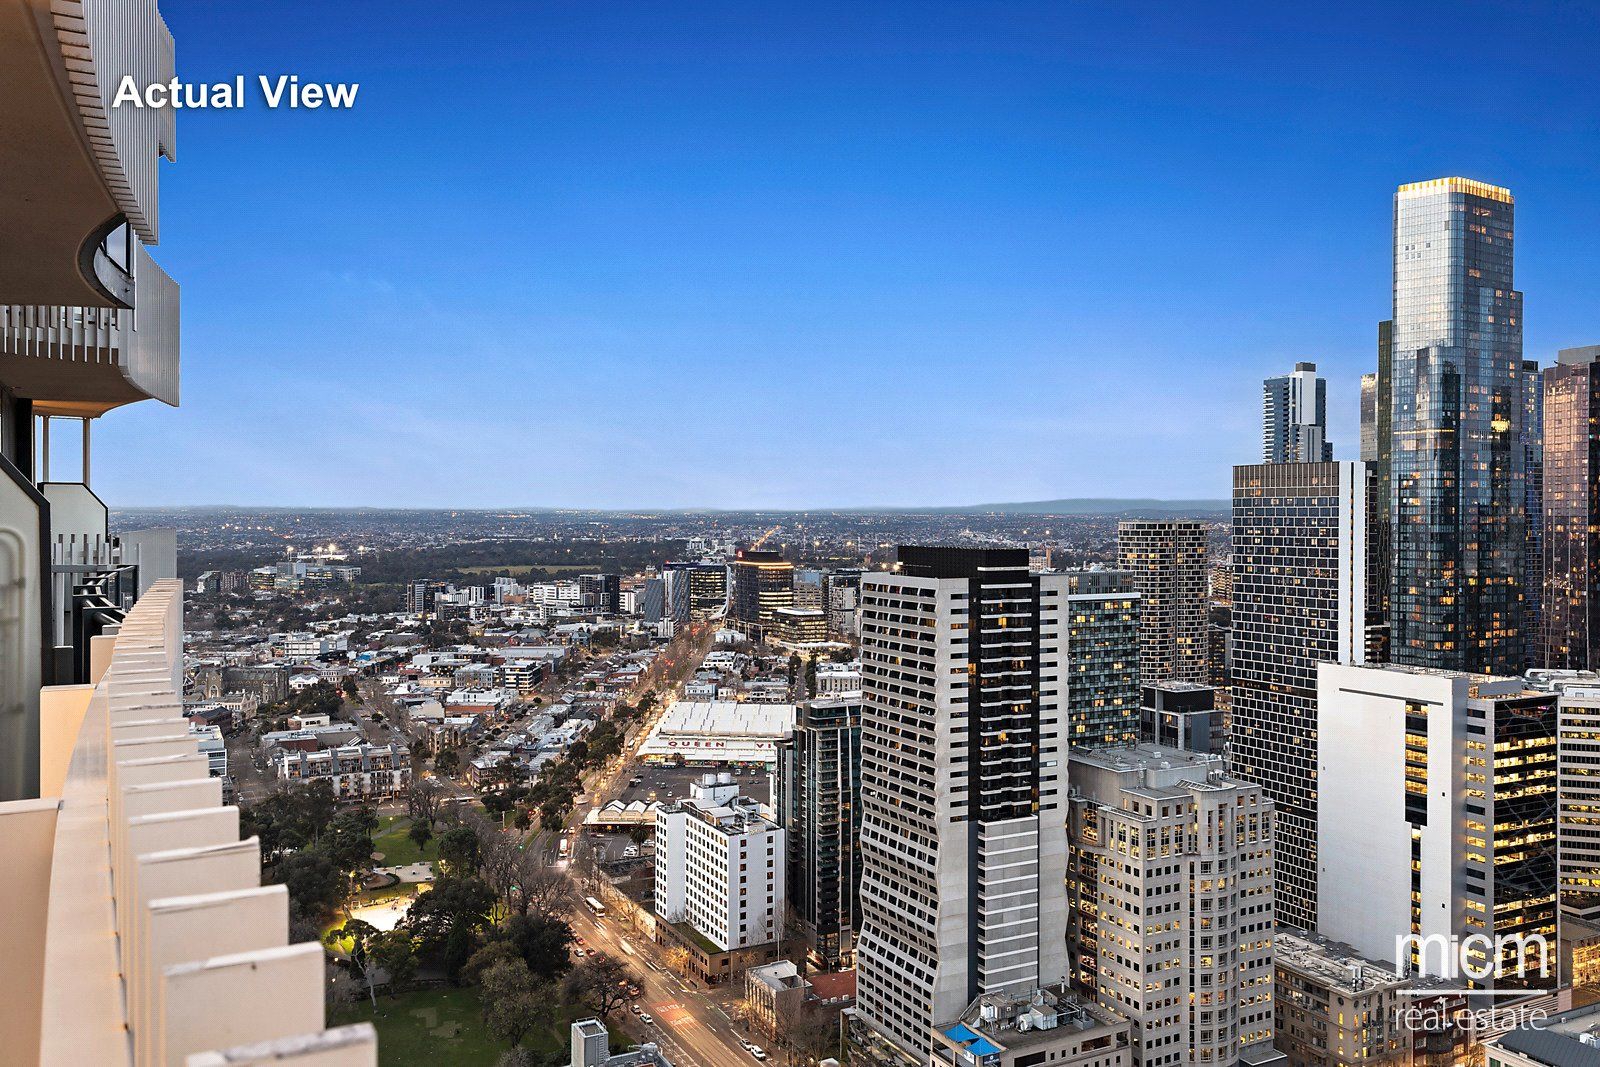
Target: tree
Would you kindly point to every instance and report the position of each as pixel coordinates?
(315, 885)
(361, 936)
(515, 1002)
(447, 920)
(396, 953)
(544, 944)
(500, 950)
(421, 833)
(601, 982)
(447, 762)
(640, 834)
(458, 850)
(539, 891)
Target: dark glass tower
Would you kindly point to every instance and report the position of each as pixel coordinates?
(817, 795)
(1456, 493)
(1533, 509)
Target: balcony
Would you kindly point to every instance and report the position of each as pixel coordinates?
(83, 361)
(136, 930)
(75, 165)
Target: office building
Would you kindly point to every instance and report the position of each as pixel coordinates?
(759, 583)
(963, 778)
(1437, 819)
(694, 590)
(1380, 538)
(137, 928)
(1181, 715)
(720, 866)
(1533, 514)
(1571, 511)
(1299, 599)
(1457, 493)
(1167, 559)
(800, 626)
(1102, 658)
(1335, 1008)
(422, 594)
(1294, 417)
(1578, 800)
(1369, 418)
(1171, 903)
(816, 795)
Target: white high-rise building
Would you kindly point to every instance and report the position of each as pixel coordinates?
(720, 866)
(1437, 821)
(1172, 903)
(963, 766)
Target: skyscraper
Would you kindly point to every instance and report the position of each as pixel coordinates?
(817, 796)
(1102, 658)
(1167, 559)
(963, 779)
(1299, 599)
(1369, 418)
(1294, 417)
(1571, 511)
(1533, 512)
(1456, 494)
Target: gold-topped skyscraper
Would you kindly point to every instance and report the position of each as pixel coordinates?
(1455, 495)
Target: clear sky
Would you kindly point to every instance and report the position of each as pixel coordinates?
(809, 254)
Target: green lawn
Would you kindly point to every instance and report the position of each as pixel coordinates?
(444, 1026)
(393, 839)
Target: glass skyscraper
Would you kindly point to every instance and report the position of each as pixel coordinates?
(1456, 493)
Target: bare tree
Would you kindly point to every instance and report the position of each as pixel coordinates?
(423, 800)
(601, 982)
(539, 891)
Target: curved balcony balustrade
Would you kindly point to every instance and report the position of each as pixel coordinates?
(84, 361)
(77, 167)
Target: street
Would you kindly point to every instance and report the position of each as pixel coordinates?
(690, 1027)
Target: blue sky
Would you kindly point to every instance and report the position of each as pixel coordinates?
(812, 254)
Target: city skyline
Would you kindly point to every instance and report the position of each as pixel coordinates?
(1126, 254)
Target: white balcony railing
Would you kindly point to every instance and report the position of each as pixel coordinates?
(137, 930)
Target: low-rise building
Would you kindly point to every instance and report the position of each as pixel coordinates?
(1045, 1027)
(1334, 1007)
(354, 772)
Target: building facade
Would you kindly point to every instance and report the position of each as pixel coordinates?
(1457, 489)
(1170, 884)
(1102, 658)
(1294, 417)
(963, 777)
(1437, 822)
(720, 866)
(353, 772)
(816, 794)
(1299, 599)
(1571, 511)
(1335, 1008)
(759, 584)
(1533, 514)
(1168, 562)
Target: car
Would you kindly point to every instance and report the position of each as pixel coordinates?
(580, 953)
(634, 1007)
(646, 1018)
(579, 941)
(634, 990)
(630, 852)
(757, 1052)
